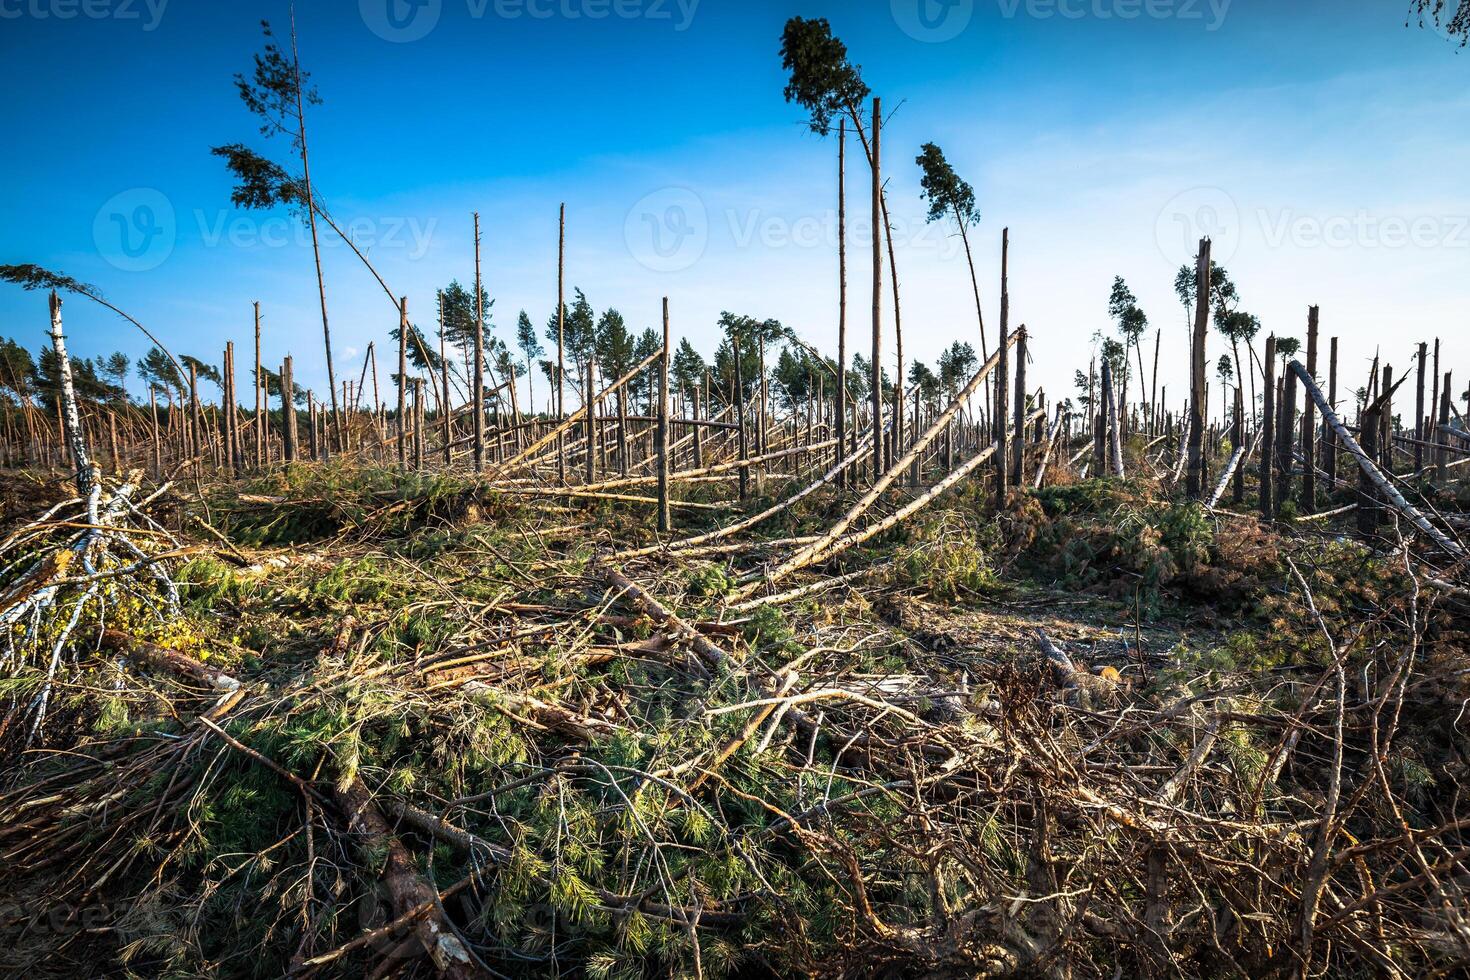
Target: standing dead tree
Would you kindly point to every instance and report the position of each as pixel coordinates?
(1195, 479)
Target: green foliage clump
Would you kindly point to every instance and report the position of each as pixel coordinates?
(1115, 535)
(768, 632)
(709, 582)
(951, 560)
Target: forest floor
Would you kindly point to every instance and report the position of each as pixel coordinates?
(401, 726)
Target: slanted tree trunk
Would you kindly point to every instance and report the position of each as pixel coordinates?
(1370, 472)
(321, 282)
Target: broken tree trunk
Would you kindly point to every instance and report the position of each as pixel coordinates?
(665, 520)
(1195, 484)
(406, 888)
(1309, 421)
(1389, 493)
(1051, 440)
(1268, 428)
(807, 554)
(86, 476)
(1237, 460)
(1110, 421)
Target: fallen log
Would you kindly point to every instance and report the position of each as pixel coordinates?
(711, 655)
(684, 544)
(407, 889)
(808, 554)
(1241, 454)
(1051, 442)
(157, 656)
(1375, 476)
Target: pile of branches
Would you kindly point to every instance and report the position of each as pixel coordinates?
(432, 745)
(533, 763)
(94, 558)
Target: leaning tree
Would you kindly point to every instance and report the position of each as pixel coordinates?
(823, 81)
(950, 196)
(277, 92)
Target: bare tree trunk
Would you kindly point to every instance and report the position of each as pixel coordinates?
(1332, 401)
(1368, 516)
(262, 443)
(1237, 439)
(477, 388)
(1441, 431)
(841, 302)
(896, 446)
(1385, 421)
(1153, 403)
(288, 413)
(158, 436)
(742, 444)
(1268, 428)
(1018, 451)
(1002, 380)
(403, 383)
(665, 517)
(1309, 420)
(1286, 436)
(1114, 438)
(876, 368)
(418, 423)
(321, 283)
(1419, 408)
(445, 406)
(561, 303)
(590, 403)
(86, 475)
(1195, 483)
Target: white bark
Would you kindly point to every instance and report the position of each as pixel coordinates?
(69, 410)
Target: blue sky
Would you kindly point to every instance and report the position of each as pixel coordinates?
(1322, 144)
